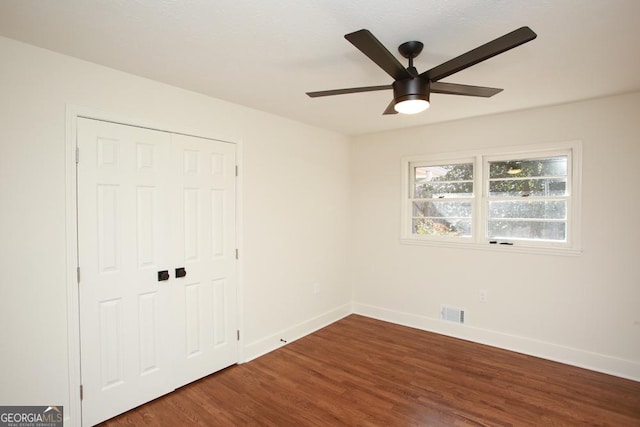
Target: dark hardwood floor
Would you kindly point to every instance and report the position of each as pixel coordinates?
(364, 372)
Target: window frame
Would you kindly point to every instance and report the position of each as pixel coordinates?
(480, 199)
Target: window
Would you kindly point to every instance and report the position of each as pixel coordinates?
(442, 202)
(527, 199)
(512, 199)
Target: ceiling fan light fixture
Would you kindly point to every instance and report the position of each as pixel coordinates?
(411, 96)
(411, 106)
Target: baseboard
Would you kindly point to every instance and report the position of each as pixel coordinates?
(570, 356)
(265, 345)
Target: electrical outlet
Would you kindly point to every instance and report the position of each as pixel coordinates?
(484, 295)
(316, 288)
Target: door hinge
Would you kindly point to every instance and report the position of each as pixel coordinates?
(81, 392)
(238, 334)
(236, 170)
(78, 274)
(237, 253)
(77, 155)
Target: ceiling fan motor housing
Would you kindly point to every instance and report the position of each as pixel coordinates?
(409, 89)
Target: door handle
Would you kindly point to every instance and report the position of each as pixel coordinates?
(163, 275)
(180, 272)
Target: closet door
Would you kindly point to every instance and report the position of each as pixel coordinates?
(157, 292)
(205, 246)
(125, 311)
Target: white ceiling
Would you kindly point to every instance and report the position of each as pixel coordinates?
(267, 54)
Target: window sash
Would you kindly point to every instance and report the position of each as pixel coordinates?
(488, 198)
(456, 198)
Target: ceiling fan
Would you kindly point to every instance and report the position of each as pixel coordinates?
(411, 90)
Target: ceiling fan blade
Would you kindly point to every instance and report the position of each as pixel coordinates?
(390, 109)
(458, 89)
(479, 54)
(370, 46)
(348, 90)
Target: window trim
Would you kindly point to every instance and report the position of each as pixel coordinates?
(480, 159)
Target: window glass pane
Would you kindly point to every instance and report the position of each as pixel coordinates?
(528, 229)
(549, 209)
(435, 190)
(442, 209)
(457, 172)
(442, 227)
(443, 180)
(528, 187)
(545, 167)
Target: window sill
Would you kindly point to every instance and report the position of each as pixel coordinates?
(515, 248)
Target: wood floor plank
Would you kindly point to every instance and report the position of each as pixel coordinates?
(365, 372)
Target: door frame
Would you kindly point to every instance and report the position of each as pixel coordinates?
(73, 415)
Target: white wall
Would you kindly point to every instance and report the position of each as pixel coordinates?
(295, 232)
(295, 210)
(582, 310)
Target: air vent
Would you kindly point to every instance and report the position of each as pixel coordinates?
(451, 314)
